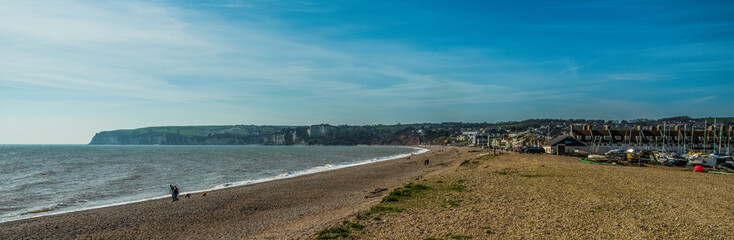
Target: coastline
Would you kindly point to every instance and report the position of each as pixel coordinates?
(147, 214)
(41, 212)
(463, 193)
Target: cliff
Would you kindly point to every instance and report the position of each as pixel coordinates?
(187, 135)
(323, 134)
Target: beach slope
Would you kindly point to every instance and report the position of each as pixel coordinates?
(292, 208)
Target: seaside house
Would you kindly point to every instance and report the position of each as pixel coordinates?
(564, 144)
(474, 138)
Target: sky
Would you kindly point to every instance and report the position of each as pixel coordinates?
(70, 69)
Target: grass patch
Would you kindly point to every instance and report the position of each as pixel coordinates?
(452, 202)
(505, 171)
(333, 232)
(353, 225)
(386, 209)
(404, 192)
(339, 232)
(457, 186)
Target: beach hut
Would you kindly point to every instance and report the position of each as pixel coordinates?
(564, 144)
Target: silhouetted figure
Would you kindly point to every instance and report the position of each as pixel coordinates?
(174, 192)
(426, 162)
(173, 197)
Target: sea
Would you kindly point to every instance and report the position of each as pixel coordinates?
(37, 180)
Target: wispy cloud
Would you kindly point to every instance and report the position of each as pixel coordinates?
(299, 63)
(635, 77)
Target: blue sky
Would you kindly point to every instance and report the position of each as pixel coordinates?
(73, 68)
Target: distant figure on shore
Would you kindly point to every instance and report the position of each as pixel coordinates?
(173, 196)
(174, 192)
(426, 162)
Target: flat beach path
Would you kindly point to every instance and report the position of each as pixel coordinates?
(293, 208)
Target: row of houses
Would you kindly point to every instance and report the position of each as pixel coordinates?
(675, 139)
(583, 137)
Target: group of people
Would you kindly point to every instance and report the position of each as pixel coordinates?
(174, 192)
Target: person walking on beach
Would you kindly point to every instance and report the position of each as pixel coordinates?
(174, 192)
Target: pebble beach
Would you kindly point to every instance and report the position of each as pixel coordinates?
(462, 193)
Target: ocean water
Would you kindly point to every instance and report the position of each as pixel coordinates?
(63, 178)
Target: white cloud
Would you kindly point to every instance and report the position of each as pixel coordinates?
(143, 61)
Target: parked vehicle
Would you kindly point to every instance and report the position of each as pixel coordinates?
(533, 150)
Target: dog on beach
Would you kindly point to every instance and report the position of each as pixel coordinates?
(426, 162)
(188, 195)
(203, 194)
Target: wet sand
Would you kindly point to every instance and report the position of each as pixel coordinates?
(294, 208)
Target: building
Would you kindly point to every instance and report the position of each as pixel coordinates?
(564, 144)
(481, 140)
(661, 138)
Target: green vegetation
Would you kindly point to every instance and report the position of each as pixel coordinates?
(475, 161)
(505, 171)
(456, 186)
(404, 192)
(452, 202)
(353, 225)
(385, 209)
(180, 130)
(489, 230)
(333, 232)
(439, 194)
(339, 232)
